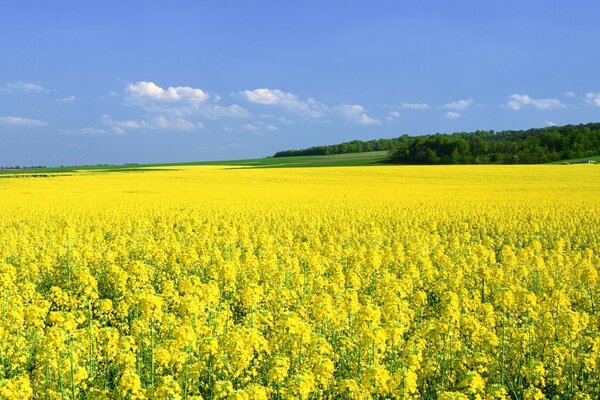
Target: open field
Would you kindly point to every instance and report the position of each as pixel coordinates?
(450, 282)
(577, 160)
(334, 160)
(373, 158)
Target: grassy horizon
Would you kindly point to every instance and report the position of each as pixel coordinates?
(334, 160)
(338, 160)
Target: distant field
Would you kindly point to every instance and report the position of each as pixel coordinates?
(335, 160)
(576, 160)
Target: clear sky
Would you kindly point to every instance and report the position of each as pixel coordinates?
(87, 82)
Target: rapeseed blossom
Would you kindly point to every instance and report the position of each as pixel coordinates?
(476, 282)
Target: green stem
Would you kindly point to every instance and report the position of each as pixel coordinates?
(185, 373)
(60, 382)
(91, 336)
(152, 353)
(72, 368)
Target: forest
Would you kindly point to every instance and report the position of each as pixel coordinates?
(532, 146)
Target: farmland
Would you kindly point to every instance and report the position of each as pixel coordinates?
(230, 282)
(334, 160)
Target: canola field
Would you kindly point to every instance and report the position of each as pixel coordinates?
(449, 282)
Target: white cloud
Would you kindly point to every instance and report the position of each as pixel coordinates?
(258, 127)
(158, 122)
(593, 98)
(460, 104)
(517, 101)
(20, 121)
(121, 127)
(180, 102)
(26, 87)
(356, 113)
(415, 106)
(309, 108)
(366, 120)
(285, 120)
(161, 122)
(67, 99)
(550, 123)
(88, 130)
(210, 111)
(392, 115)
(143, 91)
(217, 111)
(251, 127)
(289, 101)
(268, 96)
(452, 115)
(571, 94)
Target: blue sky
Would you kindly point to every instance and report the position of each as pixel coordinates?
(155, 81)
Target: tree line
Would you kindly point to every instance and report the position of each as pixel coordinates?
(532, 146)
(355, 146)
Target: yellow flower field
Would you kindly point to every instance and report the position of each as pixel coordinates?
(449, 282)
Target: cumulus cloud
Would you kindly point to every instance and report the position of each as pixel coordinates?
(518, 101)
(460, 104)
(415, 106)
(88, 130)
(550, 123)
(150, 91)
(231, 111)
(593, 98)
(571, 94)
(162, 122)
(67, 99)
(20, 121)
(269, 96)
(210, 111)
(309, 108)
(25, 87)
(183, 102)
(158, 122)
(180, 102)
(452, 115)
(392, 115)
(258, 127)
(356, 113)
(288, 101)
(122, 126)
